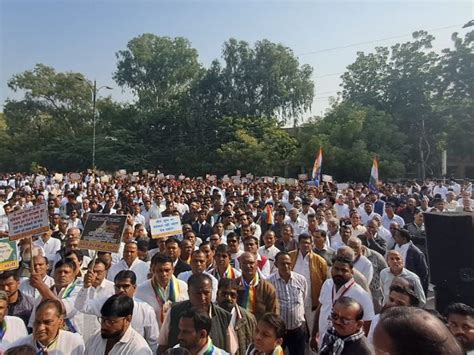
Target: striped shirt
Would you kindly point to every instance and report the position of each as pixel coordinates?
(292, 296)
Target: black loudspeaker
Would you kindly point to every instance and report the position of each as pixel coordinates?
(450, 247)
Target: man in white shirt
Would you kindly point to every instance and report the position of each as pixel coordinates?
(50, 245)
(163, 289)
(341, 284)
(13, 328)
(143, 319)
(198, 266)
(65, 289)
(298, 224)
(356, 227)
(269, 250)
(116, 335)
(396, 269)
(367, 212)
(47, 336)
(342, 210)
(130, 261)
(335, 239)
(390, 216)
(361, 263)
(41, 267)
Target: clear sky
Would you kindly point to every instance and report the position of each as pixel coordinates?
(84, 35)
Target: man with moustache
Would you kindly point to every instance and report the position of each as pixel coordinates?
(461, 324)
(346, 336)
(116, 336)
(242, 321)
(341, 284)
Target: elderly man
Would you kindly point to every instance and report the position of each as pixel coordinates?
(47, 336)
(346, 335)
(396, 269)
(371, 238)
(256, 295)
(461, 324)
(356, 227)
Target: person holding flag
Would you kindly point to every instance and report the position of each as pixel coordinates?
(316, 175)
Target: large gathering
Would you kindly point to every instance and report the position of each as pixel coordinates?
(258, 268)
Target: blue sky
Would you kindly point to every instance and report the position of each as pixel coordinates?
(83, 36)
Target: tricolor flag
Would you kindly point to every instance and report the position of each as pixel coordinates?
(374, 176)
(317, 167)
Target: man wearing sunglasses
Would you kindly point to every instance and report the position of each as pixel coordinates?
(346, 335)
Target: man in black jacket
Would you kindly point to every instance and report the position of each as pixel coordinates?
(173, 250)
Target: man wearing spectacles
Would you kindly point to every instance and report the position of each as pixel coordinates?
(143, 319)
(346, 335)
(116, 335)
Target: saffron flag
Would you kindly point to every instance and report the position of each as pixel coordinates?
(374, 176)
(317, 167)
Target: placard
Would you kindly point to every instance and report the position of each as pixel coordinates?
(103, 232)
(122, 172)
(165, 227)
(58, 177)
(104, 178)
(181, 177)
(281, 180)
(303, 177)
(341, 187)
(292, 181)
(8, 254)
(28, 222)
(327, 178)
(136, 173)
(75, 177)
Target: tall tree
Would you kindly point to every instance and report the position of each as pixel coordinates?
(158, 70)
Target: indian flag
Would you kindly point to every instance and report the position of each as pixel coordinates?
(317, 167)
(374, 176)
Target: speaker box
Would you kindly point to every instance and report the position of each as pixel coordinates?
(450, 247)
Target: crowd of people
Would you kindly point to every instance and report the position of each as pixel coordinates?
(259, 268)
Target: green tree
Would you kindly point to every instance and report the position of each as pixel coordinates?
(257, 146)
(158, 70)
(402, 81)
(351, 135)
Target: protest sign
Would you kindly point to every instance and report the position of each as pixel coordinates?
(103, 232)
(58, 177)
(75, 177)
(165, 227)
(104, 178)
(28, 222)
(281, 180)
(303, 177)
(136, 173)
(327, 178)
(8, 255)
(291, 181)
(341, 187)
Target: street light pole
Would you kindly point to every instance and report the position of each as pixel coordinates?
(94, 100)
(94, 90)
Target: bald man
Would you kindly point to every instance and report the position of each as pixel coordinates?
(410, 330)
